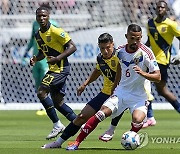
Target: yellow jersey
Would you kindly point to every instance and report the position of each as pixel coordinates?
(51, 43)
(108, 68)
(161, 36)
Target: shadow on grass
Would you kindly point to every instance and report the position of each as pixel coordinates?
(101, 149)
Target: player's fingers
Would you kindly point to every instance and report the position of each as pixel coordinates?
(78, 92)
(34, 57)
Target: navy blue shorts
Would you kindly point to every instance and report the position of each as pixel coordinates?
(163, 71)
(98, 101)
(55, 81)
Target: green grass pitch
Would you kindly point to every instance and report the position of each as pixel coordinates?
(23, 132)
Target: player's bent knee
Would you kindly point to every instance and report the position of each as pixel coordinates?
(81, 119)
(100, 115)
(40, 95)
(138, 119)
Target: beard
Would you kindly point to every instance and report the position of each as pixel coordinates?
(133, 47)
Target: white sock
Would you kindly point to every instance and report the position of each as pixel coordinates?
(58, 124)
(112, 128)
(151, 118)
(60, 141)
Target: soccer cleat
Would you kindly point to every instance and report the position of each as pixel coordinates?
(41, 112)
(73, 146)
(51, 145)
(55, 132)
(107, 136)
(149, 122)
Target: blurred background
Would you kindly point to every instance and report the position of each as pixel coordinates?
(85, 20)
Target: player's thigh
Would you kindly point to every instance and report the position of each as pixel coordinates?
(43, 91)
(57, 97)
(121, 107)
(114, 103)
(98, 101)
(57, 84)
(87, 112)
(139, 110)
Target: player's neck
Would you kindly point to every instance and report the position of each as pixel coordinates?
(45, 28)
(160, 19)
(129, 50)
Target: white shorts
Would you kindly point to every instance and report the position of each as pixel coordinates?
(118, 105)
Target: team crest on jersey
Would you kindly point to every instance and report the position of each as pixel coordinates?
(113, 63)
(48, 38)
(155, 63)
(163, 29)
(62, 34)
(136, 61)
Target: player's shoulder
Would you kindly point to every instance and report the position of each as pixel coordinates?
(55, 29)
(120, 47)
(120, 50)
(150, 21)
(99, 57)
(143, 47)
(146, 51)
(36, 33)
(171, 22)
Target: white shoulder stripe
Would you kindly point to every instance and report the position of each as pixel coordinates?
(145, 49)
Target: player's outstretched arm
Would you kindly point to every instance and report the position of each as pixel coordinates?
(95, 74)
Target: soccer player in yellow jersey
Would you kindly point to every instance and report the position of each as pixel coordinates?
(40, 68)
(107, 66)
(55, 45)
(161, 32)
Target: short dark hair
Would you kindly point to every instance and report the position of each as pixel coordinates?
(163, 1)
(134, 28)
(42, 8)
(105, 38)
(45, 4)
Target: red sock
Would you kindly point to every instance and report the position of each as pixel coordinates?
(90, 125)
(136, 127)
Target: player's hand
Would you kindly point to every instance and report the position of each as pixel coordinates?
(80, 89)
(138, 70)
(24, 61)
(176, 60)
(33, 60)
(52, 60)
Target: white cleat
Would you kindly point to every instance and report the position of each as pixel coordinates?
(107, 136)
(51, 145)
(55, 132)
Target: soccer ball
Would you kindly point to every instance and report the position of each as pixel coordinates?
(130, 140)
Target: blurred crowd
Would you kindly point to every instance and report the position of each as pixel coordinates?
(132, 11)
